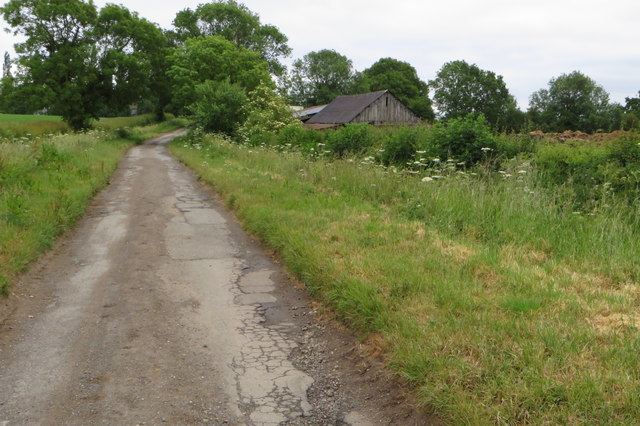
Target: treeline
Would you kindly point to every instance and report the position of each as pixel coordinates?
(223, 66)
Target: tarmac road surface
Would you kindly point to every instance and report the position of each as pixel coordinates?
(158, 309)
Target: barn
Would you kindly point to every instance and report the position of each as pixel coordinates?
(375, 108)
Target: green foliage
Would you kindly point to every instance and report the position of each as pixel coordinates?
(579, 167)
(212, 58)
(297, 137)
(350, 139)
(266, 112)
(592, 174)
(236, 23)
(77, 60)
(466, 139)
(632, 105)
(461, 89)
(572, 102)
(401, 79)
(492, 296)
(401, 145)
(319, 77)
(219, 106)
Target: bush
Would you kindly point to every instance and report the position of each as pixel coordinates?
(400, 146)
(219, 107)
(350, 139)
(579, 167)
(295, 136)
(625, 150)
(463, 138)
(510, 146)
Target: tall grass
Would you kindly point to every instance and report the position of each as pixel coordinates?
(496, 299)
(46, 183)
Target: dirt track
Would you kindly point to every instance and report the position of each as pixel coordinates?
(158, 309)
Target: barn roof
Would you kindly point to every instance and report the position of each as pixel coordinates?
(344, 109)
(308, 111)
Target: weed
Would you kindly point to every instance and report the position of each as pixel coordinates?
(496, 299)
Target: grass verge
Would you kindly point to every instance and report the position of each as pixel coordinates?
(497, 301)
(46, 184)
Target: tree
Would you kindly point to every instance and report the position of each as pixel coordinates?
(219, 106)
(266, 112)
(401, 79)
(236, 23)
(319, 77)
(633, 105)
(461, 89)
(82, 60)
(132, 63)
(6, 66)
(216, 59)
(572, 102)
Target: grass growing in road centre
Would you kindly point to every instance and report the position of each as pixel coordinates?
(495, 299)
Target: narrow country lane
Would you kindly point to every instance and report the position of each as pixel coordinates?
(158, 309)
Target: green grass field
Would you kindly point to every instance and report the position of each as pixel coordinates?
(23, 118)
(16, 125)
(497, 301)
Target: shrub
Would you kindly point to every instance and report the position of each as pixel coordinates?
(581, 167)
(463, 138)
(294, 135)
(400, 146)
(266, 111)
(625, 150)
(219, 107)
(350, 139)
(510, 146)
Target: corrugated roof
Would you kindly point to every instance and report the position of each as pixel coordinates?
(344, 109)
(308, 111)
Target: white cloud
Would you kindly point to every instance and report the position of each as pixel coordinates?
(526, 41)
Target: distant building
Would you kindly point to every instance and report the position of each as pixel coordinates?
(375, 108)
(306, 113)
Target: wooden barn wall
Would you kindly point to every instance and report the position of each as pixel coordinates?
(380, 112)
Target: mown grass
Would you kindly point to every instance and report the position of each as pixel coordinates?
(46, 184)
(493, 297)
(18, 125)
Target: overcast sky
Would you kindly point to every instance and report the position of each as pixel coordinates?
(526, 41)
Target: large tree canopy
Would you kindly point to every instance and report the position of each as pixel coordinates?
(633, 105)
(81, 59)
(319, 77)
(401, 79)
(461, 89)
(572, 102)
(215, 59)
(236, 23)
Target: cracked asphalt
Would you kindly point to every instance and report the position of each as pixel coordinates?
(158, 309)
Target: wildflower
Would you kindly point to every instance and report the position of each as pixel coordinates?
(522, 172)
(435, 160)
(486, 149)
(421, 152)
(427, 179)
